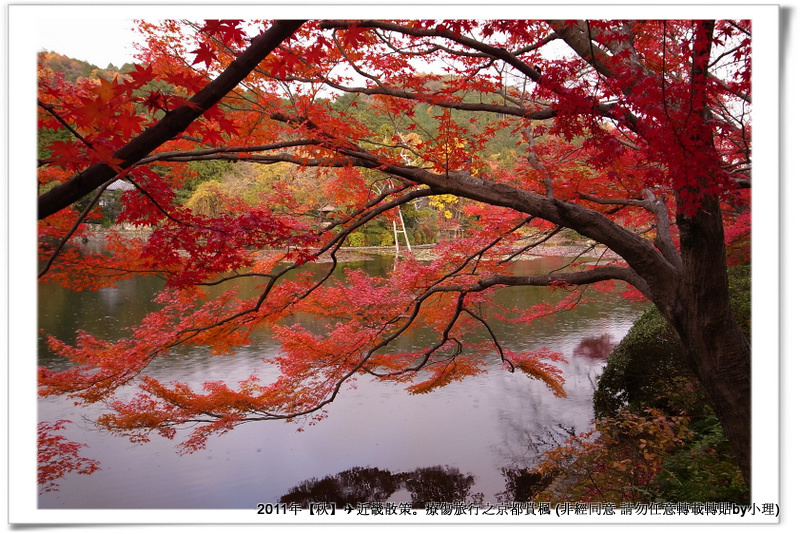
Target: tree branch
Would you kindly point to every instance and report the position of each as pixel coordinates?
(190, 155)
(50, 109)
(75, 226)
(491, 51)
(599, 274)
(170, 125)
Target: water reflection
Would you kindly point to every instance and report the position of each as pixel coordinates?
(521, 484)
(437, 484)
(486, 425)
(595, 348)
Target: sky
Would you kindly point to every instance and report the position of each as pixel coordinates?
(111, 40)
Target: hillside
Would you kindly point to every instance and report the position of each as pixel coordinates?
(74, 69)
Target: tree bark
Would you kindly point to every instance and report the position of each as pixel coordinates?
(717, 350)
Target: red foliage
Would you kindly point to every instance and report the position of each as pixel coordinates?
(58, 456)
(629, 135)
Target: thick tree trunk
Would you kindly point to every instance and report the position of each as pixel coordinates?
(717, 349)
(719, 354)
(693, 298)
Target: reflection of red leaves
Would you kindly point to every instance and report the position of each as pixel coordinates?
(595, 348)
(560, 284)
(58, 456)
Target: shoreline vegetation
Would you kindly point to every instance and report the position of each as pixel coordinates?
(565, 248)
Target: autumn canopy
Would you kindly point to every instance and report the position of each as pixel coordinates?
(633, 135)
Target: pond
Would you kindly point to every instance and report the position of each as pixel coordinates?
(472, 432)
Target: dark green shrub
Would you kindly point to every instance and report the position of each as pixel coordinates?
(648, 370)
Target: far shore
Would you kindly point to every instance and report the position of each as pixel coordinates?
(426, 252)
(562, 249)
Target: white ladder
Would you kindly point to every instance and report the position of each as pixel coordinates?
(402, 231)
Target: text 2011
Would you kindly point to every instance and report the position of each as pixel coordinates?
(269, 509)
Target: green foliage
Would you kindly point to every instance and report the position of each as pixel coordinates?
(110, 207)
(739, 284)
(200, 172)
(502, 147)
(373, 235)
(648, 369)
(619, 460)
(378, 236)
(704, 470)
(648, 396)
(387, 239)
(422, 224)
(507, 157)
(47, 136)
(72, 68)
(356, 239)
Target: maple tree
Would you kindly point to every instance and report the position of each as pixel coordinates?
(636, 137)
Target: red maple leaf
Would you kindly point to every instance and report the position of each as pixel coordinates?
(139, 76)
(129, 123)
(228, 30)
(204, 54)
(155, 100)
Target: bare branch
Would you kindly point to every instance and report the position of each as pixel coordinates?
(599, 274)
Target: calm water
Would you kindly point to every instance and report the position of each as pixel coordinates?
(477, 427)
